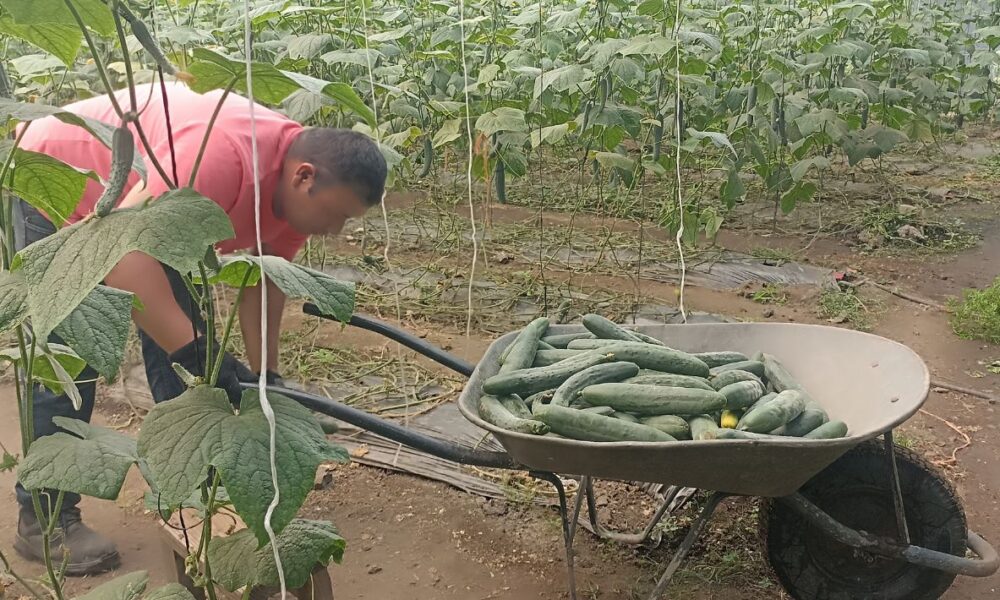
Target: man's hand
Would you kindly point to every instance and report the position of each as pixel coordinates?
(231, 372)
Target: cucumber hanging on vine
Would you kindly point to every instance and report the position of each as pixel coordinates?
(122, 153)
(428, 157)
(145, 38)
(751, 103)
(500, 180)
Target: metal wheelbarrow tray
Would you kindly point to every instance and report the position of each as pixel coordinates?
(871, 383)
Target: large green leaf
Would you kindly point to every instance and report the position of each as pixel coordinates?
(47, 183)
(648, 45)
(340, 92)
(62, 41)
(181, 438)
(613, 160)
(504, 118)
(238, 561)
(13, 299)
(98, 329)
(171, 591)
(799, 169)
(450, 131)
(126, 587)
(308, 45)
(552, 134)
(800, 192)
(93, 461)
(718, 139)
(887, 138)
(825, 120)
(24, 111)
(94, 13)
(333, 297)
(562, 79)
(214, 71)
(64, 267)
(54, 366)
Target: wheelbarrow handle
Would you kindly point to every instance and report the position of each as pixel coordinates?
(985, 565)
(403, 337)
(397, 433)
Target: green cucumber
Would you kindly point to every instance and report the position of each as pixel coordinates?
(659, 358)
(760, 402)
(787, 406)
(606, 411)
(544, 358)
(812, 417)
(605, 329)
(560, 340)
(752, 366)
(122, 154)
(729, 377)
(581, 425)
(624, 416)
(516, 406)
(717, 359)
(778, 376)
(524, 346)
(736, 434)
(616, 371)
(528, 381)
(492, 411)
(590, 344)
(671, 424)
(545, 346)
(671, 380)
(742, 394)
(702, 426)
(828, 431)
(647, 338)
(650, 400)
(542, 397)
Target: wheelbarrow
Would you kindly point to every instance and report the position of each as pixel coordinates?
(843, 519)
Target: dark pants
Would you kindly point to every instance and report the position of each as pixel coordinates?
(29, 227)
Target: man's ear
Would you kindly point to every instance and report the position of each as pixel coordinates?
(305, 174)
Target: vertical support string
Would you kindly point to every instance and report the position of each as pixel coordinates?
(265, 405)
(468, 172)
(677, 130)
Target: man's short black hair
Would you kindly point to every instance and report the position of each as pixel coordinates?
(343, 156)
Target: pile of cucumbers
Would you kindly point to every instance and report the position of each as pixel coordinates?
(611, 384)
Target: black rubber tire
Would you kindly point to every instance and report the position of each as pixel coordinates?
(856, 491)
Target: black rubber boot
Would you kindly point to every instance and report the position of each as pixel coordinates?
(90, 553)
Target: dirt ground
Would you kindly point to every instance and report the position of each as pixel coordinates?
(410, 538)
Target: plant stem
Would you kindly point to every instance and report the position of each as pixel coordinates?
(8, 208)
(114, 99)
(27, 422)
(209, 301)
(8, 570)
(128, 61)
(98, 63)
(48, 523)
(229, 326)
(206, 536)
(208, 132)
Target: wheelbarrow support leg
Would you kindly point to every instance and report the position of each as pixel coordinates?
(692, 536)
(897, 491)
(647, 534)
(568, 523)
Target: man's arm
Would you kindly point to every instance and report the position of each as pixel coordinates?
(250, 310)
(162, 319)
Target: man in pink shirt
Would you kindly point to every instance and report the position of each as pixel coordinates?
(311, 182)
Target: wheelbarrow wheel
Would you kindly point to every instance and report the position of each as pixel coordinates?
(856, 490)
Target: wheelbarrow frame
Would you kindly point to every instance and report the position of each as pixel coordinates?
(986, 562)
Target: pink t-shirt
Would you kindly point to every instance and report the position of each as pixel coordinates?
(226, 172)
